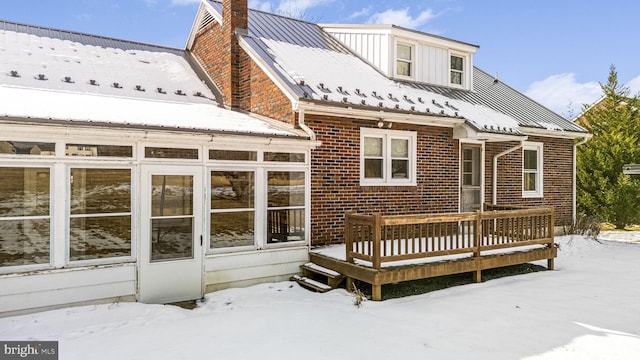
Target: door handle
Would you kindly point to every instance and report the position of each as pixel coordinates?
(201, 240)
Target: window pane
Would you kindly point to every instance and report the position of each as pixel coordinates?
(400, 169)
(285, 188)
(100, 191)
(285, 225)
(404, 52)
(232, 229)
(456, 63)
(98, 150)
(456, 78)
(171, 195)
(233, 155)
(372, 146)
(529, 181)
(373, 168)
(403, 68)
(171, 239)
(27, 148)
(170, 153)
(232, 189)
(400, 148)
(531, 159)
(100, 237)
(24, 242)
(24, 191)
(467, 179)
(284, 157)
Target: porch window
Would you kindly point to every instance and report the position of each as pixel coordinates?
(532, 170)
(285, 206)
(387, 157)
(27, 148)
(457, 70)
(93, 150)
(100, 213)
(284, 157)
(404, 60)
(233, 155)
(25, 220)
(232, 209)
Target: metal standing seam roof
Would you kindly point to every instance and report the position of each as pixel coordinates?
(85, 39)
(50, 75)
(272, 37)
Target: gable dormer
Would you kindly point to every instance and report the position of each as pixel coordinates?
(410, 55)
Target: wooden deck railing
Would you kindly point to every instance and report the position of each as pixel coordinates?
(379, 239)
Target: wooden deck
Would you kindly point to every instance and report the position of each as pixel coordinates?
(378, 248)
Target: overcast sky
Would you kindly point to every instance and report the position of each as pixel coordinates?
(556, 51)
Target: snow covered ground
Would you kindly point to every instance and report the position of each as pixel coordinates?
(589, 308)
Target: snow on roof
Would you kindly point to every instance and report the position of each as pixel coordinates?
(136, 112)
(54, 74)
(339, 72)
(318, 68)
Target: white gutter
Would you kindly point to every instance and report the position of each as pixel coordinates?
(303, 126)
(366, 114)
(575, 150)
(494, 170)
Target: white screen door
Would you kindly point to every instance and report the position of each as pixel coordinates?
(471, 190)
(171, 248)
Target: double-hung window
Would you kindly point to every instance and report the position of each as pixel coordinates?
(532, 184)
(25, 215)
(387, 157)
(404, 60)
(457, 70)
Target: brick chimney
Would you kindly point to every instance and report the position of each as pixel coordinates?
(234, 17)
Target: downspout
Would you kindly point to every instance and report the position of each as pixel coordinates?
(303, 126)
(494, 170)
(575, 150)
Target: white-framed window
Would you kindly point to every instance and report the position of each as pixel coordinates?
(532, 176)
(405, 58)
(258, 199)
(457, 65)
(100, 212)
(387, 157)
(233, 208)
(25, 215)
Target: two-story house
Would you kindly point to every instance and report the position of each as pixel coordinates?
(406, 123)
(136, 172)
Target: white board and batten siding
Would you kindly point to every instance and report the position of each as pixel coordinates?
(27, 292)
(373, 47)
(224, 271)
(432, 54)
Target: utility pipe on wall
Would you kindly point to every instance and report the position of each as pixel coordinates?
(575, 150)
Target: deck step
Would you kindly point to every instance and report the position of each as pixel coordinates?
(311, 284)
(334, 278)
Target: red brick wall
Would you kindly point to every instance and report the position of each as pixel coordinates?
(335, 176)
(557, 176)
(255, 91)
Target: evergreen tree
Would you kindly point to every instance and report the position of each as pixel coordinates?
(602, 189)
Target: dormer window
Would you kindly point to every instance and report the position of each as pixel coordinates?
(404, 60)
(457, 70)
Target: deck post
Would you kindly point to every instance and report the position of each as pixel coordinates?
(477, 237)
(376, 292)
(377, 239)
(349, 284)
(348, 241)
(552, 234)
